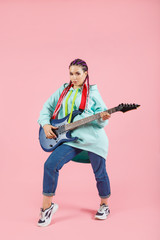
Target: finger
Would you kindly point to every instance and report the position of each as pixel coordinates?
(106, 117)
(50, 136)
(53, 135)
(54, 127)
(106, 114)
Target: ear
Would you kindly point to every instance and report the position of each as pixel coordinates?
(86, 72)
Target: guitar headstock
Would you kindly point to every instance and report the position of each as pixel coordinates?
(124, 107)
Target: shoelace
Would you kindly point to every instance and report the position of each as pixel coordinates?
(103, 207)
(41, 213)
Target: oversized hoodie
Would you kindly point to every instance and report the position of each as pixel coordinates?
(91, 136)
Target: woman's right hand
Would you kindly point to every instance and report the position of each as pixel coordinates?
(48, 131)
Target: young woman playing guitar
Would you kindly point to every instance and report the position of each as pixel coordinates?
(92, 139)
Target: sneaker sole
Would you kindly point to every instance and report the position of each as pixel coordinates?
(103, 217)
(55, 208)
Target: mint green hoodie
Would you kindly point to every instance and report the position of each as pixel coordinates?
(92, 136)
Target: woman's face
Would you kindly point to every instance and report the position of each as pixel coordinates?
(77, 75)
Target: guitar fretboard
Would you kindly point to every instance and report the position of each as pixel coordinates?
(73, 125)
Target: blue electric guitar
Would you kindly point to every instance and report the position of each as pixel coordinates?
(63, 132)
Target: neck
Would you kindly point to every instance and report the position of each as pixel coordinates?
(74, 87)
(73, 125)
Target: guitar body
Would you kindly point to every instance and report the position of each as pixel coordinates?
(49, 144)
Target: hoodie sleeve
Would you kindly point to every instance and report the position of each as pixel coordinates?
(99, 106)
(96, 105)
(49, 106)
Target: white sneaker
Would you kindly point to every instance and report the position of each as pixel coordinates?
(102, 212)
(46, 215)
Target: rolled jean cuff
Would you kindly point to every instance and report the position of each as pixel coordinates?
(48, 194)
(105, 196)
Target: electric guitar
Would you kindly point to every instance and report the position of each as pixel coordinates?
(63, 132)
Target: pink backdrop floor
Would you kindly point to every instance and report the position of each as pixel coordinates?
(119, 40)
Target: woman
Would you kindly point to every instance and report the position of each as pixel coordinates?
(92, 138)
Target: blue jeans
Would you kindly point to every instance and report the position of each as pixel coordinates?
(63, 154)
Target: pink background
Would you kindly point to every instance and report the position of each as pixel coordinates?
(119, 40)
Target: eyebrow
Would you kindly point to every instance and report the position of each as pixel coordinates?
(76, 72)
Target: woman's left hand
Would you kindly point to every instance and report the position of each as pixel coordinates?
(105, 115)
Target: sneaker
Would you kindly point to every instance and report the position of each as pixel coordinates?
(102, 212)
(46, 215)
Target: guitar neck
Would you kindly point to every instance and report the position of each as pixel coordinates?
(71, 126)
